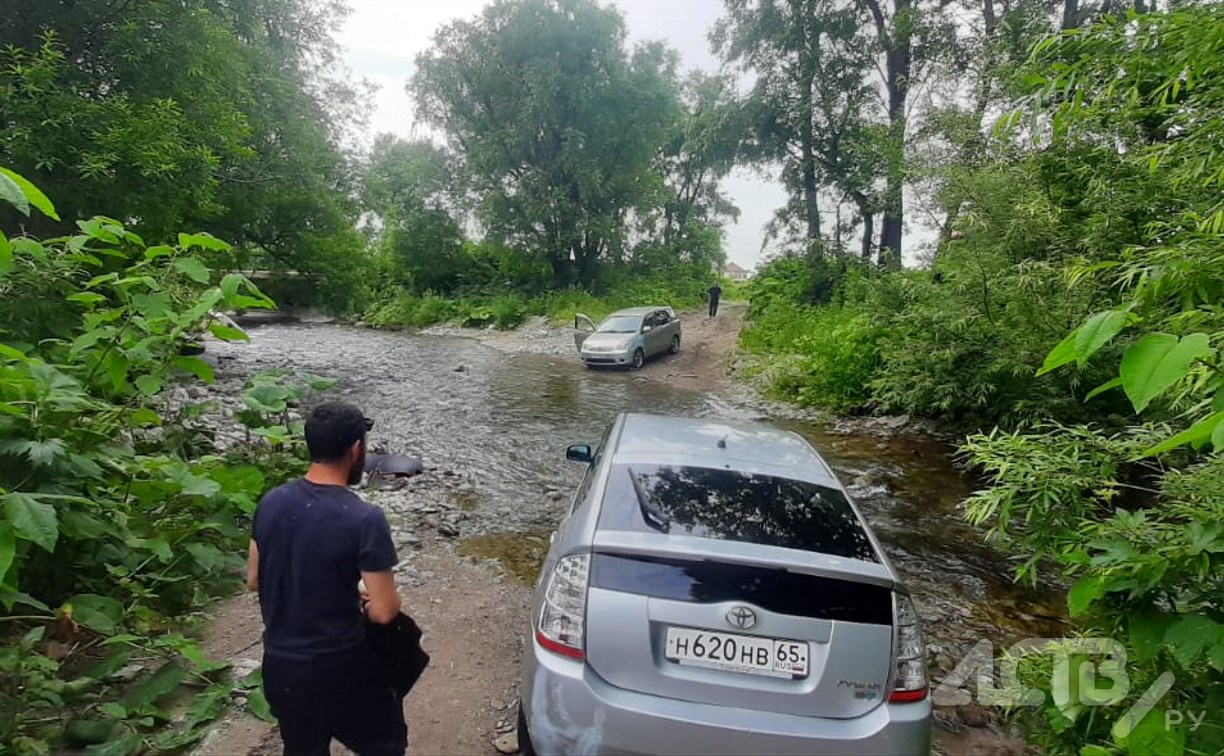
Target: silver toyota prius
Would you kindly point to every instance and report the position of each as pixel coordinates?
(713, 590)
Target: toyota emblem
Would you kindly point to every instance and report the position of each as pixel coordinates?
(741, 617)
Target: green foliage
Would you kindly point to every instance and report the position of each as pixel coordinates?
(1073, 300)
(1145, 549)
(1134, 107)
(119, 519)
(574, 144)
(506, 310)
(221, 116)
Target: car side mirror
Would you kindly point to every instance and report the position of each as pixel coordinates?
(647, 329)
(580, 453)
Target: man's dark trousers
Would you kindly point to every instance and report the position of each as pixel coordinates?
(345, 695)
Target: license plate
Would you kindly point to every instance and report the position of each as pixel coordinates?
(737, 653)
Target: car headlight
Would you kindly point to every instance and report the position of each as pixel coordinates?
(620, 345)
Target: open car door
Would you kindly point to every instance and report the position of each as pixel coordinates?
(583, 327)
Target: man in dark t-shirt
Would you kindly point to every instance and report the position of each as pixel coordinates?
(313, 540)
(715, 293)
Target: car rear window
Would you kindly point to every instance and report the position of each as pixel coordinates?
(707, 502)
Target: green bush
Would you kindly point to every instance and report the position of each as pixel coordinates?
(816, 356)
(1145, 570)
(120, 519)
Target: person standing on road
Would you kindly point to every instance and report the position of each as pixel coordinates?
(313, 540)
(715, 292)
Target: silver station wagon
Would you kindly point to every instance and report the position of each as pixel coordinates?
(713, 590)
(627, 337)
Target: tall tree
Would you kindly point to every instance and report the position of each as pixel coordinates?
(894, 37)
(408, 186)
(702, 149)
(556, 123)
(219, 115)
(813, 103)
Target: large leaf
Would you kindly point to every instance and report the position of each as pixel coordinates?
(207, 705)
(1190, 636)
(258, 704)
(197, 367)
(121, 746)
(1096, 332)
(1196, 434)
(11, 193)
(206, 241)
(149, 385)
(207, 556)
(1106, 386)
(1215, 656)
(267, 398)
(44, 453)
(231, 283)
(32, 193)
(1083, 593)
(101, 614)
(1061, 354)
(1156, 362)
(8, 549)
(225, 333)
(149, 690)
(6, 254)
(192, 268)
(33, 520)
(161, 250)
(1147, 631)
(1152, 736)
(198, 485)
(318, 382)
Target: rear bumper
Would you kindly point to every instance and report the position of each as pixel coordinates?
(571, 710)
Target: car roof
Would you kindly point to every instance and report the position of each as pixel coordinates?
(696, 441)
(637, 311)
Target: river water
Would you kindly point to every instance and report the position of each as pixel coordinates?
(504, 420)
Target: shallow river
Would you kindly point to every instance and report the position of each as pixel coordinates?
(504, 420)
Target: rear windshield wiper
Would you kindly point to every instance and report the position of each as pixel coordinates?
(652, 515)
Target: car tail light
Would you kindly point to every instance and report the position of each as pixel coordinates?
(560, 628)
(909, 654)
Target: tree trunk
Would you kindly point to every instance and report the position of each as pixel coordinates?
(807, 137)
(1070, 19)
(899, 61)
(868, 236)
(964, 154)
(561, 270)
(868, 216)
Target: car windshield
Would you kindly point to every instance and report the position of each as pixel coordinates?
(620, 324)
(732, 505)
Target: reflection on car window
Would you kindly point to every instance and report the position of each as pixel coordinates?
(735, 506)
(620, 324)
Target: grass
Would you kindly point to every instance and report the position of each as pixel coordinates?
(507, 310)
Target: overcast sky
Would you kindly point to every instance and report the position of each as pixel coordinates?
(381, 38)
